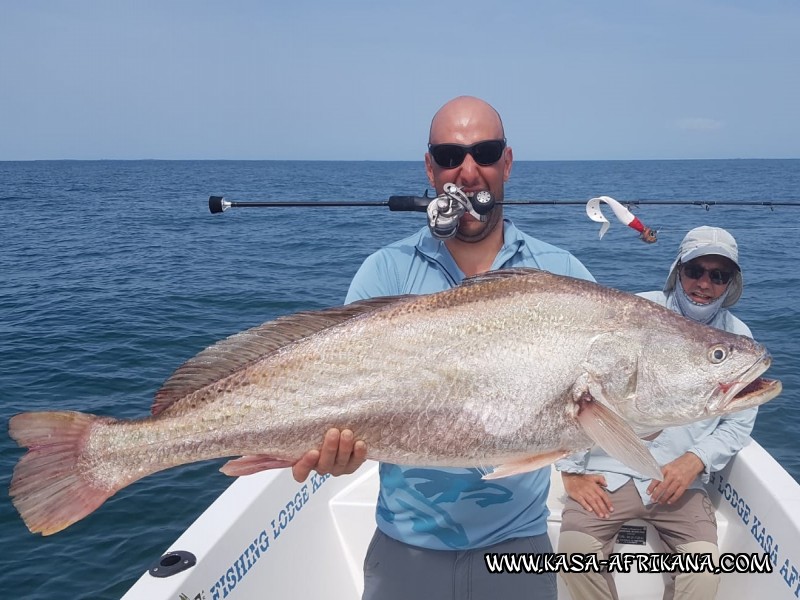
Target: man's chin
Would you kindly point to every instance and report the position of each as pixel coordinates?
(471, 230)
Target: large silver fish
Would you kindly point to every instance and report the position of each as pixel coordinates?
(512, 369)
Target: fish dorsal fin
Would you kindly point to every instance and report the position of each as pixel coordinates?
(244, 348)
(499, 274)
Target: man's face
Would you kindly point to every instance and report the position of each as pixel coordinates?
(706, 278)
(466, 125)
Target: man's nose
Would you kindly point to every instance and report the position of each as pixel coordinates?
(469, 169)
(705, 278)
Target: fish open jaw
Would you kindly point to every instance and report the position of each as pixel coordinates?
(749, 390)
(756, 392)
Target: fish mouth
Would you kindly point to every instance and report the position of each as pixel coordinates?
(747, 391)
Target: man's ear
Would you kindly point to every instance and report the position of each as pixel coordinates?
(509, 158)
(429, 169)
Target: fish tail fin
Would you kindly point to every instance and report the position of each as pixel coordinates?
(48, 488)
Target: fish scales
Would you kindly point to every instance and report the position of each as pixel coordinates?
(325, 365)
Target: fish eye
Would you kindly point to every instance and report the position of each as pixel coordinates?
(717, 354)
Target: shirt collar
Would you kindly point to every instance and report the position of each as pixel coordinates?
(436, 250)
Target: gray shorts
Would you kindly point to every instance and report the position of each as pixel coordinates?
(394, 571)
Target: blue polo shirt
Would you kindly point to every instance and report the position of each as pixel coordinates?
(454, 509)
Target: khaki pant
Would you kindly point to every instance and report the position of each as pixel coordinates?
(688, 525)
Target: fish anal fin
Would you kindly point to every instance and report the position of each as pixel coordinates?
(526, 464)
(255, 463)
(615, 436)
(244, 348)
(48, 487)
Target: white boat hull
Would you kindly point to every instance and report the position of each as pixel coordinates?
(268, 536)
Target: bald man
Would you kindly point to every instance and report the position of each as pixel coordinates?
(435, 526)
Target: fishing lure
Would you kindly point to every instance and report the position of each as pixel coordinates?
(626, 217)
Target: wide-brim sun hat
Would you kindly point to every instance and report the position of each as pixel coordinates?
(705, 241)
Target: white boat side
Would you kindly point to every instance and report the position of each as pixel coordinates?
(268, 536)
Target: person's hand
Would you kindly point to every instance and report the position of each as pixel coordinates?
(340, 454)
(589, 491)
(678, 476)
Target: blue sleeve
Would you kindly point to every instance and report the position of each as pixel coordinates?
(578, 270)
(574, 463)
(717, 448)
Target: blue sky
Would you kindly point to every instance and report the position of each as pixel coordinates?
(360, 79)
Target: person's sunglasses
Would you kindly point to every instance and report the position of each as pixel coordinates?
(717, 276)
(450, 156)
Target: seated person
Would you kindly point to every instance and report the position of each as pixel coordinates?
(703, 282)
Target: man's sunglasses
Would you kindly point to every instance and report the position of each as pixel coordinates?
(717, 276)
(450, 156)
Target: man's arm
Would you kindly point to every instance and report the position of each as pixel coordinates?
(710, 454)
(730, 436)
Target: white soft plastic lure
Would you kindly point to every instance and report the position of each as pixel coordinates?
(625, 217)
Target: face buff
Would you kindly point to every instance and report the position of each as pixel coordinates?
(702, 313)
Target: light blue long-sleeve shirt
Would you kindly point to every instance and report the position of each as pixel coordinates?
(714, 441)
(455, 509)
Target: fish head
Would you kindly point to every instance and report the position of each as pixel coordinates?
(693, 372)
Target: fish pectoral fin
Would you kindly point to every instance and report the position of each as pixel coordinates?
(247, 465)
(615, 436)
(525, 465)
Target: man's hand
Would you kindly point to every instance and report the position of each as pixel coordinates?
(678, 476)
(589, 491)
(340, 454)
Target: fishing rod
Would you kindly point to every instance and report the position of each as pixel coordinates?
(218, 204)
(445, 210)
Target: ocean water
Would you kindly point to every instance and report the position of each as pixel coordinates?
(112, 273)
